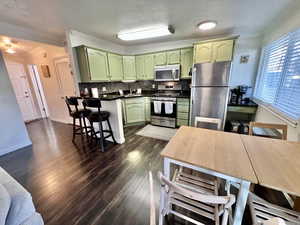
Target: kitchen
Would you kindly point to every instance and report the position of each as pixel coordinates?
(159, 112)
(142, 81)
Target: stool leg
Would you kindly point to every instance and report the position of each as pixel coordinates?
(85, 128)
(74, 129)
(102, 136)
(81, 129)
(111, 132)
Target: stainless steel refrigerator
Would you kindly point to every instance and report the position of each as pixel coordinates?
(210, 90)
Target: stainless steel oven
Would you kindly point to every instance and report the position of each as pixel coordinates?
(163, 111)
(167, 73)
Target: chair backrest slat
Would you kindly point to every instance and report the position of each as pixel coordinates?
(281, 127)
(71, 101)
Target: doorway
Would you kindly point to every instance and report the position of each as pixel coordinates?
(22, 90)
(39, 91)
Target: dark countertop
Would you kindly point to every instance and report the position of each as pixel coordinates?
(244, 104)
(114, 96)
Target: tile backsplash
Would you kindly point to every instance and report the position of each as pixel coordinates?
(112, 87)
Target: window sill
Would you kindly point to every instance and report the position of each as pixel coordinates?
(276, 113)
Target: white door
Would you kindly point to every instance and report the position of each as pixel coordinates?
(66, 84)
(22, 90)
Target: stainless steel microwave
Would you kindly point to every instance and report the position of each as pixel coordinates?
(167, 73)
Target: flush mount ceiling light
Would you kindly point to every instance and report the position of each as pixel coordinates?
(147, 32)
(207, 25)
(10, 51)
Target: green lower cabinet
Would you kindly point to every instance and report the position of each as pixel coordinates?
(115, 63)
(186, 61)
(135, 110)
(147, 109)
(181, 122)
(149, 67)
(140, 67)
(129, 68)
(183, 106)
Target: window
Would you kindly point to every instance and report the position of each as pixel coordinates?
(278, 83)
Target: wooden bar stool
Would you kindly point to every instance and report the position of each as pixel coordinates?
(98, 117)
(78, 114)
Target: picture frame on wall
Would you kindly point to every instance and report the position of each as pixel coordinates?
(45, 70)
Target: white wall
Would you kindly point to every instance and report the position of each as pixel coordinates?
(45, 55)
(13, 132)
(245, 73)
(286, 22)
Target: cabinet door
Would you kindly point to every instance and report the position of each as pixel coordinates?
(129, 67)
(160, 58)
(98, 65)
(147, 109)
(222, 50)
(186, 60)
(203, 53)
(140, 67)
(173, 57)
(135, 113)
(115, 63)
(149, 67)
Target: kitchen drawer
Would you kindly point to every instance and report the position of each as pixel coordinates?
(138, 100)
(242, 109)
(183, 108)
(181, 115)
(182, 122)
(183, 101)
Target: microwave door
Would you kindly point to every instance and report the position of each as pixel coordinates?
(163, 75)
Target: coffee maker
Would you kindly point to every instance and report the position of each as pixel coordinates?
(238, 93)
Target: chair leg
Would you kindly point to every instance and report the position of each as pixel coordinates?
(102, 136)
(85, 128)
(111, 132)
(74, 129)
(81, 129)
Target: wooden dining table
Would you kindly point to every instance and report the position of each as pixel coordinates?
(236, 158)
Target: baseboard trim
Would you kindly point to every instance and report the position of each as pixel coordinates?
(15, 148)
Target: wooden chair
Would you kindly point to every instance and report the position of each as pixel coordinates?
(262, 210)
(275, 221)
(281, 127)
(216, 121)
(194, 195)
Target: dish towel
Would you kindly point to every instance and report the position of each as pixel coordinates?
(169, 107)
(157, 107)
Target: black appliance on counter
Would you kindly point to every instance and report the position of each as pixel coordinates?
(237, 94)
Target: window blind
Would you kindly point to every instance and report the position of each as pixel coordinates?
(279, 81)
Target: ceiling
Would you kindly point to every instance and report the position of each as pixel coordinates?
(20, 46)
(104, 19)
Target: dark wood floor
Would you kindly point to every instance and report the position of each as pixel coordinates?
(82, 186)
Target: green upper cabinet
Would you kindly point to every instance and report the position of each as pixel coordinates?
(115, 63)
(160, 58)
(218, 51)
(93, 64)
(140, 67)
(203, 53)
(223, 50)
(98, 65)
(186, 60)
(129, 68)
(173, 57)
(149, 67)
